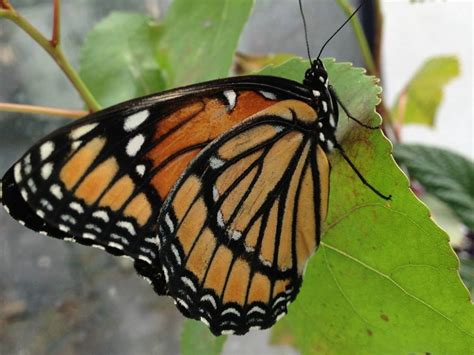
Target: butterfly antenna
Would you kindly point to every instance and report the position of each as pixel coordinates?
(305, 31)
(340, 27)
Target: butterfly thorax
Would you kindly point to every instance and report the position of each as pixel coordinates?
(324, 102)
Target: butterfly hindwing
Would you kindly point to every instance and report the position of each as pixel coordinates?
(236, 231)
(101, 181)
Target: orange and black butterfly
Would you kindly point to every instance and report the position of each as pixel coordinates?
(217, 191)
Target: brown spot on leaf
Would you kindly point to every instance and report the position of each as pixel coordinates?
(369, 332)
(384, 317)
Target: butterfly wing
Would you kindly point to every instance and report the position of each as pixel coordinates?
(101, 180)
(238, 228)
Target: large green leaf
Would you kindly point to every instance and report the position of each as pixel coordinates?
(199, 39)
(420, 99)
(384, 280)
(446, 175)
(117, 60)
(197, 339)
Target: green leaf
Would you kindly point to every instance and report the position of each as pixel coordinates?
(197, 339)
(199, 39)
(420, 99)
(248, 64)
(446, 175)
(384, 279)
(117, 60)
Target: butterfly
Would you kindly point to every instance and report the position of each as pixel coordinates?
(217, 191)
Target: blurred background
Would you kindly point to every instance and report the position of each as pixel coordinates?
(59, 298)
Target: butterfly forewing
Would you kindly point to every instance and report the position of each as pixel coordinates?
(236, 231)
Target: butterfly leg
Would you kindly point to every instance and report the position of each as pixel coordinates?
(359, 174)
(344, 108)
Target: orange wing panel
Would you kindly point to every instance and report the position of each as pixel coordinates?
(195, 125)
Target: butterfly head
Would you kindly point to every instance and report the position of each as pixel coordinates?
(316, 77)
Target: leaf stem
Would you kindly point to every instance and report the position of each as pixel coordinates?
(42, 110)
(53, 48)
(56, 35)
(360, 36)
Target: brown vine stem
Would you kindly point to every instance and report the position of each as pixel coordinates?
(56, 36)
(42, 110)
(52, 47)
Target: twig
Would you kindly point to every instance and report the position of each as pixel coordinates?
(42, 110)
(56, 36)
(4, 4)
(53, 48)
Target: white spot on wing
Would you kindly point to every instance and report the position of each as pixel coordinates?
(17, 172)
(128, 226)
(321, 137)
(68, 218)
(24, 194)
(231, 97)
(140, 169)
(227, 332)
(75, 144)
(101, 215)
(325, 106)
(268, 95)
(40, 213)
(231, 311)
(32, 185)
(316, 93)
(332, 122)
(135, 120)
(135, 144)
(215, 162)
(56, 191)
(210, 299)
(220, 219)
(188, 283)
(279, 129)
(182, 303)
(115, 245)
(80, 131)
(88, 236)
(169, 222)
(63, 228)
(215, 193)
(235, 235)
(76, 207)
(119, 237)
(145, 259)
(46, 170)
(256, 309)
(93, 227)
(176, 254)
(46, 149)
